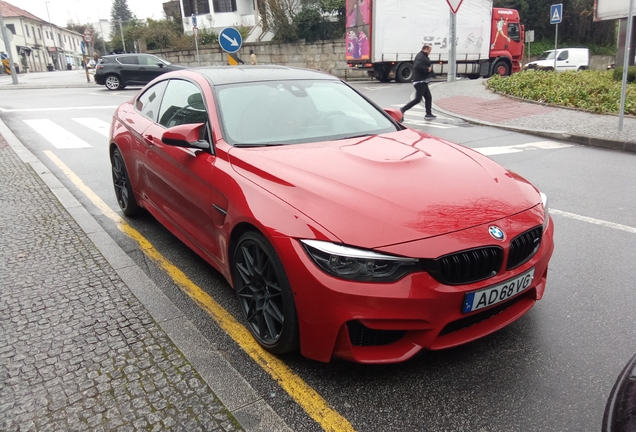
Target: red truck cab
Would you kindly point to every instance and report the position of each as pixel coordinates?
(506, 41)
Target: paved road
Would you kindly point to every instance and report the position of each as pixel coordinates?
(551, 370)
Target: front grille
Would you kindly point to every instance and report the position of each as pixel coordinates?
(523, 247)
(466, 266)
(359, 335)
(463, 323)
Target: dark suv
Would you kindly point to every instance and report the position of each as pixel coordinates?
(120, 70)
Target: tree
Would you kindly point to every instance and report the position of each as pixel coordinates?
(97, 39)
(121, 11)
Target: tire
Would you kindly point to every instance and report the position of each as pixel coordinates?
(112, 82)
(404, 73)
(123, 189)
(264, 294)
(383, 76)
(501, 68)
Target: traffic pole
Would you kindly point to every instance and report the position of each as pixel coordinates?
(556, 36)
(452, 62)
(7, 45)
(628, 48)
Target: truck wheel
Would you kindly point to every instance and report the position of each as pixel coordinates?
(501, 68)
(383, 77)
(404, 73)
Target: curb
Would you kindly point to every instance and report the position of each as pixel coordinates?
(555, 135)
(234, 392)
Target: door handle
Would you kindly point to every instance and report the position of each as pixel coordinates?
(149, 140)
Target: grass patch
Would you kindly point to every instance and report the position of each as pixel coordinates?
(593, 91)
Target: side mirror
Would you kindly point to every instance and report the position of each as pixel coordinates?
(395, 114)
(185, 135)
(160, 64)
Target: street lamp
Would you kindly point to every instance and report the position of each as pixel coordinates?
(46, 3)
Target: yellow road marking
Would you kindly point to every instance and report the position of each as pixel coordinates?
(314, 404)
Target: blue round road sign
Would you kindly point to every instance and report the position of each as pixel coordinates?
(230, 40)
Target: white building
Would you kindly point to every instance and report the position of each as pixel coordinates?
(38, 45)
(218, 14)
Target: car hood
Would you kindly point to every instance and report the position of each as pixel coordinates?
(387, 189)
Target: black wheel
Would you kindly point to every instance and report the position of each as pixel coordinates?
(404, 73)
(112, 82)
(121, 182)
(264, 294)
(501, 68)
(383, 76)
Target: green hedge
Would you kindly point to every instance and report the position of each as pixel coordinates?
(631, 74)
(594, 91)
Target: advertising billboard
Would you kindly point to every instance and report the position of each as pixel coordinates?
(611, 9)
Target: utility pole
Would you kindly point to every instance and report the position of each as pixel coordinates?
(121, 29)
(7, 44)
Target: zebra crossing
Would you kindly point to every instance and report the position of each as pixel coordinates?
(415, 117)
(61, 138)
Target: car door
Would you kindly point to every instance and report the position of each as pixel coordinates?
(129, 69)
(147, 106)
(563, 62)
(149, 68)
(182, 181)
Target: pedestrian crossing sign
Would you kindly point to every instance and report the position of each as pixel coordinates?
(556, 13)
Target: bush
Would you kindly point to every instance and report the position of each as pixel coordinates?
(309, 24)
(594, 91)
(631, 74)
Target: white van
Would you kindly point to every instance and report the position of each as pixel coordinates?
(567, 59)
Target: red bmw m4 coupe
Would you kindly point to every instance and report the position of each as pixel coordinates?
(343, 233)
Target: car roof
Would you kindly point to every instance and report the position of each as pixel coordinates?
(220, 75)
(129, 55)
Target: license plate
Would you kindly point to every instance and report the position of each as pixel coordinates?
(491, 296)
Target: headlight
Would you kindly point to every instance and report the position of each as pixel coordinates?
(546, 210)
(357, 264)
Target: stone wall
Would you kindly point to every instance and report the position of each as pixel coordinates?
(327, 56)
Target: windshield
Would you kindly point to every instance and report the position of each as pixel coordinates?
(291, 112)
(546, 55)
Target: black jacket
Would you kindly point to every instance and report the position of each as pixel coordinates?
(420, 67)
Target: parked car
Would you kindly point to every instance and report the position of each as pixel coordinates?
(620, 410)
(567, 59)
(343, 232)
(120, 70)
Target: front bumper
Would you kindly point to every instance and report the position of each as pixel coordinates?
(391, 322)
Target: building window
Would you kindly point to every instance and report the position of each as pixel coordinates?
(40, 33)
(27, 31)
(224, 5)
(11, 27)
(197, 7)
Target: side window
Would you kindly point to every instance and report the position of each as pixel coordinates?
(182, 104)
(563, 56)
(513, 32)
(128, 60)
(149, 102)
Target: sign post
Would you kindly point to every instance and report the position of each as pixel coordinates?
(628, 38)
(87, 40)
(7, 44)
(195, 30)
(452, 51)
(230, 40)
(556, 15)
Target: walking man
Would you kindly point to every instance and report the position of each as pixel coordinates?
(422, 69)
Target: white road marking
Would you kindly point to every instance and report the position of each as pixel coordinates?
(56, 135)
(99, 126)
(539, 145)
(376, 88)
(600, 222)
(59, 108)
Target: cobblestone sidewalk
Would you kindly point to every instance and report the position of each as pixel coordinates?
(77, 350)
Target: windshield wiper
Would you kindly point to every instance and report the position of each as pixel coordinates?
(257, 144)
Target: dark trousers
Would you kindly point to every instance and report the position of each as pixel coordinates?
(421, 91)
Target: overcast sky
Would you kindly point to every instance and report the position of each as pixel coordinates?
(86, 11)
